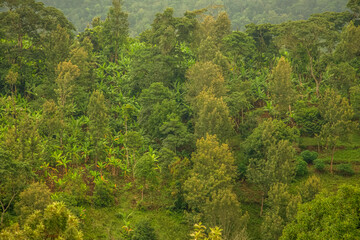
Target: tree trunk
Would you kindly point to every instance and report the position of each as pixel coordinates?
(262, 205)
(317, 81)
(242, 115)
(4, 209)
(332, 159)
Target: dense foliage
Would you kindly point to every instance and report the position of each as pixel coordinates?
(189, 130)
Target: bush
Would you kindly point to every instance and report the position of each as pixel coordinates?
(103, 194)
(345, 169)
(301, 168)
(144, 231)
(308, 119)
(319, 165)
(309, 156)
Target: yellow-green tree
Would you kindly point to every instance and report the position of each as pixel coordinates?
(209, 188)
(201, 77)
(65, 81)
(281, 89)
(212, 116)
(282, 210)
(56, 222)
(338, 114)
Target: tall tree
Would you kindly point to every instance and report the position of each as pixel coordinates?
(203, 76)
(281, 89)
(309, 42)
(338, 114)
(115, 30)
(282, 210)
(278, 166)
(65, 81)
(209, 188)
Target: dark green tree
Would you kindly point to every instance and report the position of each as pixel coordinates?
(115, 30)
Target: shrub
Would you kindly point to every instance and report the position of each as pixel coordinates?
(319, 165)
(301, 168)
(309, 156)
(308, 119)
(144, 231)
(35, 197)
(103, 194)
(345, 169)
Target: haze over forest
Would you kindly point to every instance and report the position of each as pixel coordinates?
(241, 12)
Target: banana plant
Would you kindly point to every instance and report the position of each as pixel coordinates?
(61, 182)
(60, 159)
(101, 166)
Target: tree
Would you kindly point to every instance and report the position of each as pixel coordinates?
(355, 100)
(176, 134)
(310, 188)
(239, 99)
(98, 126)
(144, 170)
(157, 103)
(278, 166)
(212, 116)
(342, 77)
(209, 188)
(240, 48)
(14, 177)
(282, 210)
(65, 81)
(57, 45)
(307, 42)
(281, 89)
(27, 25)
(268, 133)
(328, 216)
(51, 124)
(82, 56)
(348, 49)
(338, 114)
(201, 77)
(35, 198)
(56, 222)
(354, 5)
(115, 30)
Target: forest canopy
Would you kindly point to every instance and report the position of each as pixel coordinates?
(181, 125)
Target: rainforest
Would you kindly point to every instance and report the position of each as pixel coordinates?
(169, 120)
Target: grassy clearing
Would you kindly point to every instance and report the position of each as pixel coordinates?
(109, 223)
(347, 151)
(311, 142)
(329, 182)
(344, 156)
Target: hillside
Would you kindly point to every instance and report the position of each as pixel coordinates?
(190, 130)
(142, 13)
